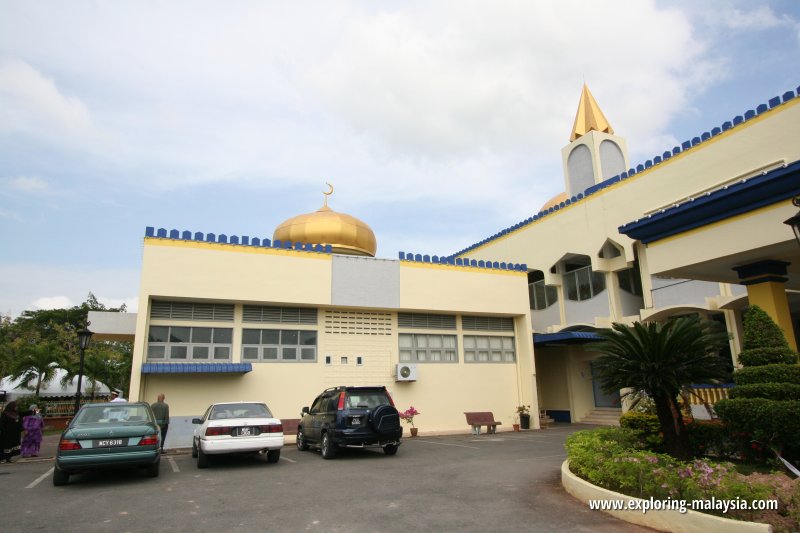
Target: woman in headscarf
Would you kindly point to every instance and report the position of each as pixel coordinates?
(33, 424)
(10, 432)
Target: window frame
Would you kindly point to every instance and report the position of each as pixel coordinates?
(190, 346)
(415, 348)
(503, 350)
(280, 346)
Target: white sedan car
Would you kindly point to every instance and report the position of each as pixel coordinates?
(237, 427)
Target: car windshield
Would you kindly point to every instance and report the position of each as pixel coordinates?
(366, 399)
(120, 412)
(240, 410)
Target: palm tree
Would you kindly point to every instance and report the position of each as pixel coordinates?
(35, 362)
(660, 359)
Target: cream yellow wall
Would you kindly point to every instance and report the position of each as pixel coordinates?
(579, 376)
(551, 372)
(237, 275)
(583, 227)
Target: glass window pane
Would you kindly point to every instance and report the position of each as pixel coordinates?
(598, 282)
(250, 353)
(469, 342)
(177, 334)
(405, 340)
(289, 354)
(178, 352)
(483, 342)
(308, 338)
(288, 336)
(270, 336)
(449, 341)
(469, 356)
(222, 352)
(271, 353)
(495, 342)
(436, 355)
(201, 335)
(156, 352)
(422, 341)
(584, 285)
(552, 295)
(497, 356)
(422, 355)
(450, 355)
(539, 295)
(508, 356)
(405, 355)
(251, 336)
(483, 356)
(508, 343)
(199, 352)
(308, 354)
(223, 335)
(158, 334)
(435, 341)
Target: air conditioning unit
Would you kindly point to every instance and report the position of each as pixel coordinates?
(405, 372)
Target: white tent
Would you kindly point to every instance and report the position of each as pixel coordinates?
(14, 389)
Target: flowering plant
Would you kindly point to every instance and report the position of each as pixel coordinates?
(408, 415)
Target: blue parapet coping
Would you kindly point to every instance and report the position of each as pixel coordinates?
(774, 102)
(266, 242)
(565, 337)
(685, 145)
(738, 119)
(198, 236)
(435, 258)
(245, 240)
(695, 141)
(727, 125)
(716, 131)
(174, 234)
(162, 232)
(222, 238)
(657, 160)
(459, 261)
(749, 114)
(149, 231)
(196, 368)
(676, 150)
(401, 255)
(255, 242)
(277, 243)
(705, 136)
(234, 239)
(762, 108)
(426, 258)
(788, 95)
(210, 237)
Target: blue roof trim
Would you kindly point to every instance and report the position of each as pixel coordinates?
(461, 261)
(730, 200)
(565, 337)
(196, 368)
(686, 145)
(244, 240)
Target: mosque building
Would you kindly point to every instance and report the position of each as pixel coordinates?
(502, 323)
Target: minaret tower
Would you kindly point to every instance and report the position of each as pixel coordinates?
(594, 153)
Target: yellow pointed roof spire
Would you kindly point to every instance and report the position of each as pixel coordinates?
(589, 117)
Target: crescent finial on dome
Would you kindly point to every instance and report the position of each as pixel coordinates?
(327, 193)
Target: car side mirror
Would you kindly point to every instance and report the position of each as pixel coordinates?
(196, 421)
(304, 411)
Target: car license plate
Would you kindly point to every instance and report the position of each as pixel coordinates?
(247, 432)
(108, 443)
(355, 421)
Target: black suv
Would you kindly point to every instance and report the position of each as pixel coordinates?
(350, 417)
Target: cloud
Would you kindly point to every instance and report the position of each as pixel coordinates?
(27, 184)
(52, 302)
(33, 104)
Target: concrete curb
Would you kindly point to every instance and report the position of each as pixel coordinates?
(662, 520)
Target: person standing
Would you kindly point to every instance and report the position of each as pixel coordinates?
(161, 412)
(116, 396)
(33, 424)
(10, 432)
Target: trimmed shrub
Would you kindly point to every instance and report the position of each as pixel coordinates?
(764, 422)
(767, 356)
(767, 374)
(770, 391)
(647, 426)
(760, 331)
(711, 438)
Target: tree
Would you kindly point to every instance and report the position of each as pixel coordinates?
(36, 362)
(660, 359)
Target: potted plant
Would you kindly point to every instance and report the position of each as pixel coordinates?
(523, 412)
(408, 416)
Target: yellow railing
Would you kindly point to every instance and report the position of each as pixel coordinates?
(709, 395)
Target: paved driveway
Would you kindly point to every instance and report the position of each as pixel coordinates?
(503, 482)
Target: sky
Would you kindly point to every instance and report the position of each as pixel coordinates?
(438, 122)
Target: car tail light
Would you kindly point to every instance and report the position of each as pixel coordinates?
(271, 428)
(341, 401)
(69, 444)
(149, 440)
(212, 431)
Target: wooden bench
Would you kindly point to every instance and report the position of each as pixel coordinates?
(486, 418)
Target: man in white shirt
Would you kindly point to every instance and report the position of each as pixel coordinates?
(116, 396)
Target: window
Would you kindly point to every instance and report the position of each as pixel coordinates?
(287, 345)
(542, 296)
(279, 315)
(630, 281)
(191, 311)
(584, 284)
(487, 323)
(485, 349)
(421, 320)
(428, 348)
(183, 343)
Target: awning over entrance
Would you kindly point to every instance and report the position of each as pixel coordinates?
(565, 337)
(195, 368)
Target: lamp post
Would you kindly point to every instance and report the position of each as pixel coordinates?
(794, 222)
(84, 336)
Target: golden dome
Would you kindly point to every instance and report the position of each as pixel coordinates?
(554, 201)
(346, 234)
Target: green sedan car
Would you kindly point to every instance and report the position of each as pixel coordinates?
(109, 435)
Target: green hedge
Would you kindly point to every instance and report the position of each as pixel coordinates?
(767, 374)
(767, 356)
(770, 422)
(647, 426)
(770, 391)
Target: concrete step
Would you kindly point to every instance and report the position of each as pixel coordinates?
(603, 416)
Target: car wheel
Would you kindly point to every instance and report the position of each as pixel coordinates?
(302, 443)
(152, 470)
(327, 446)
(59, 477)
(194, 448)
(390, 449)
(385, 420)
(202, 458)
(273, 456)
